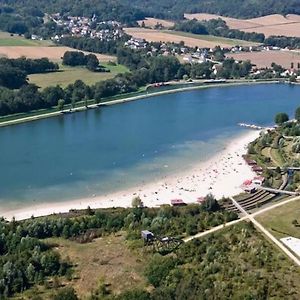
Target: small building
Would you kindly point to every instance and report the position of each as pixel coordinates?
(257, 169)
(177, 202)
(147, 235)
(250, 162)
(258, 180)
(249, 188)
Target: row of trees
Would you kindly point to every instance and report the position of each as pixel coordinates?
(218, 27)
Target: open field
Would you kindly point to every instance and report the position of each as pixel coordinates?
(265, 58)
(53, 53)
(107, 259)
(279, 220)
(7, 40)
(192, 40)
(269, 25)
(68, 75)
(151, 22)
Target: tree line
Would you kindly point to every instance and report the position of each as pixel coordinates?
(218, 27)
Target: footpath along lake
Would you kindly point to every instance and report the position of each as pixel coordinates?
(99, 151)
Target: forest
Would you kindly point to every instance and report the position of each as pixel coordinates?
(129, 11)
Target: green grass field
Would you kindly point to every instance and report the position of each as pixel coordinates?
(68, 75)
(279, 220)
(7, 40)
(212, 38)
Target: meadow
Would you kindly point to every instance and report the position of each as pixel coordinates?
(6, 40)
(68, 75)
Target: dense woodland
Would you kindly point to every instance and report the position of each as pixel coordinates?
(128, 11)
(26, 260)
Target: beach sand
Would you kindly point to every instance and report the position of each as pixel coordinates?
(222, 175)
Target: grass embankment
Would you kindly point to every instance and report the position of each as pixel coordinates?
(279, 220)
(7, 40)
(212, 38)
(68, 75)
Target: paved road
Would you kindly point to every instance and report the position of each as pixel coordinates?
(278, 191)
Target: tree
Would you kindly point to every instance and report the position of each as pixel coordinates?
(297, 114)
(92, 62)
(281, 118)
(137, 202)
(61, 104)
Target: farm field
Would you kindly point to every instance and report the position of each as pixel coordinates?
(6, 40)
(192, 40)
(151, 22)
(53, 53)
(265, 58)
(68, 75)
(279, 220)
(288, 25)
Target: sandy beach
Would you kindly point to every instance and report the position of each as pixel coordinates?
(221, 175)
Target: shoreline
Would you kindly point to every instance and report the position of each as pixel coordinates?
(220, 175)
(125, 99)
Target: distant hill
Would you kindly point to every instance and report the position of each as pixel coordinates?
(130, 10)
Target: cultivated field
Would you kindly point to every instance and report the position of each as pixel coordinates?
(151, 22)
(53, 53)
(68, 75)
(192, 40)
(265, 58)
(269, 25)
(7, 40)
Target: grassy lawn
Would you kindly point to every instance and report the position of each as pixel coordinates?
(68, 75)
(212, 38)
(279, 220)
(7, 40)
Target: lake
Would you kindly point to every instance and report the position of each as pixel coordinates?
(115, 147)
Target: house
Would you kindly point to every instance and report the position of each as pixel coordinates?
(177, 202)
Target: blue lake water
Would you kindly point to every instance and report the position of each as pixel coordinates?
(115, 147)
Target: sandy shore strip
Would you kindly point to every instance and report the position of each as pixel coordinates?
(221, 175)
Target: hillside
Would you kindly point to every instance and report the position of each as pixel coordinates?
(128, 11)
(268, 25)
